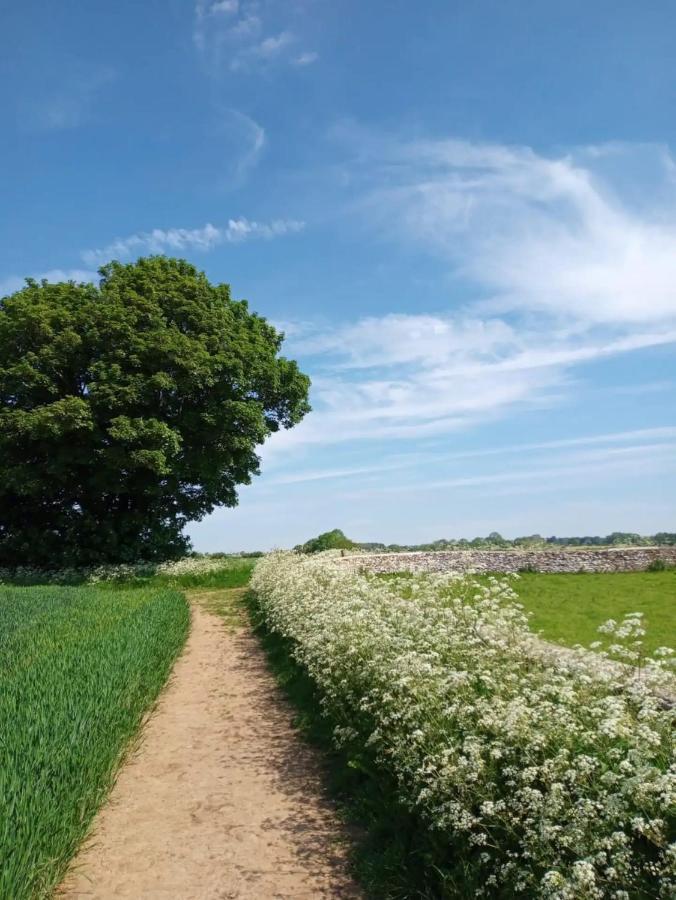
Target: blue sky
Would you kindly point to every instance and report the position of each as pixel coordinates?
(463, 215)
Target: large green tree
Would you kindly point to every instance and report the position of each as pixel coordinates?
(130, 408)
(329, 540)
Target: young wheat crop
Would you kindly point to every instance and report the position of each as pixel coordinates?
(79, 666)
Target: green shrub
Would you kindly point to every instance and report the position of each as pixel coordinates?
(329, 540)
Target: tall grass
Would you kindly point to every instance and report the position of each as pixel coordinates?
(190, 572)
(79, 667)
(226, 574)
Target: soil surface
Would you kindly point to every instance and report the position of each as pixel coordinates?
(222, 799)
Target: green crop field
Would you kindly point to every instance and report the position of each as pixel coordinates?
(79, 667)
(569, 608)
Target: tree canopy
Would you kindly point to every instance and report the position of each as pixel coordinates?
(130, 408)
(329, 540)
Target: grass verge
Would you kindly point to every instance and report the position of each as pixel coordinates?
(79, 668)
(231, 575)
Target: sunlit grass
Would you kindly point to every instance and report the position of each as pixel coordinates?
(569, 608)
(229, 574)
(79, 667)
(227, 603)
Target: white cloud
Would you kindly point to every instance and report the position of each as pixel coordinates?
(411, 377)
(174, 240)
(423, 461)
(397, 338)
(609, 466)
(230, 7)
(266, 50)
(306, 58)
(570, 267)
(642, 389)
(243, 140)
(271, 46)
(244, 36)
(247, 27)
(562, 235)
(15, 282)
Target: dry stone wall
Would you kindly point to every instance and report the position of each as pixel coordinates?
(622, 559)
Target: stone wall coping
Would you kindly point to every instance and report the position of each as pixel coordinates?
(666, 548)
(571, 560)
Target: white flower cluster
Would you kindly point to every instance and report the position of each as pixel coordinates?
(548, 775)
(187, 566)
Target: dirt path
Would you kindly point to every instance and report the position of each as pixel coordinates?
(222, 800)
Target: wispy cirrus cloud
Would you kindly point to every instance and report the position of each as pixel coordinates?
(608, 464)
(646, 441)
(411, 377)
(305, 59)
(245, 35)
(229, 7)
(253, 137)
(161, 240)
(567, 265)
(264, 51)
(574, 235)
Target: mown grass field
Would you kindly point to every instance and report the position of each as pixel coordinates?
(569, 608)
(79, 667)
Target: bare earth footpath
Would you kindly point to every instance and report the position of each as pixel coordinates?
(222, 800)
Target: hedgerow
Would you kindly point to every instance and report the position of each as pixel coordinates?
(187, 572)
(534, 773)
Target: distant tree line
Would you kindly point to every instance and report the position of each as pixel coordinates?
(495, 541)
(336, 540)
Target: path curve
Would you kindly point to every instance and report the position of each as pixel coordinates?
(222, 800)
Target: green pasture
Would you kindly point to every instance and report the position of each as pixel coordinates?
(569, 608)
